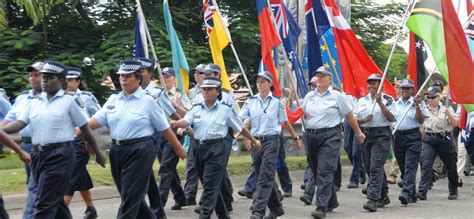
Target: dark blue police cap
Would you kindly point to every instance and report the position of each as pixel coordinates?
(169, 71)
(129, 66)
(407, 83)
(73, 72)
(147, 63)
(55, 68)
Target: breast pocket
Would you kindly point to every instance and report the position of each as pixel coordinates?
(57, 120)
(216, 127)
(330, 103)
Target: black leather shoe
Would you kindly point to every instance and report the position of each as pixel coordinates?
(385, 200)
(421, 196)
(362, 180)
(274, 214)
(176, 206)
(352, 185)
(411, 200)
(197, 210)
(256, 216)
(319, 213)
(364, 191)
(400, 184)
(403, 199)
(371, 206)
(244, 193)
(288, 194)
(90, 213)
(306, 199)
(332, 207)
(302, 186)
(453, 196)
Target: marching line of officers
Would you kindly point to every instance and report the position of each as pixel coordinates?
(55, 118)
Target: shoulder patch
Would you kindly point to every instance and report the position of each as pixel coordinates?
(388, 98)
(79, 102)
(25, 92)
(226, 104)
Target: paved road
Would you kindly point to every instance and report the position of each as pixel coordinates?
(351, 201)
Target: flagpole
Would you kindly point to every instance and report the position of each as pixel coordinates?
(233, 49)
(157, 64)
(417, 94)
(407, 12)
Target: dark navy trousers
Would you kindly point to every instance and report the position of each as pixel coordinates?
(407, 149)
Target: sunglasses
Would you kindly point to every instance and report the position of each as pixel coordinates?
(431, 98)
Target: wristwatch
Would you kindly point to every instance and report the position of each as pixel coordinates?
(296, 138)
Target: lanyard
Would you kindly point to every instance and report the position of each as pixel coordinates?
(265, 108)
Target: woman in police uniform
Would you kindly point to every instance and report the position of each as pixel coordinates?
(211, 120)
(52, 117)
(266, 113)
(132, 116)
(438, 140)
(324, 110)
(81, 180)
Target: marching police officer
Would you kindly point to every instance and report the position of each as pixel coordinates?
(169, 177)
(438, 141)
(81, 180)
(132, 116)
(407, 139)
(324, 110)
(211, 120)
(266, 113)
(5, 106)
(52, 116)
(18, 107)
(25, 156)
(192, 177)
(376, 127)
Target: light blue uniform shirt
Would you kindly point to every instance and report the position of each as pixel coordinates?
(227, 97)
(160, 96)
(21, 103)
(364, 108)
(410, 121)
(325, 110)
(131, 117)
(5, 105)
(266, 115)
(54, 120)
(91, 105)
(214, 122)
(193, 92)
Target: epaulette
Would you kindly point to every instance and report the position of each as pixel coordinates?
(88, 93)
(70, 93)
(79, 101)
(253, 97)
(226, 104)
(25, 92)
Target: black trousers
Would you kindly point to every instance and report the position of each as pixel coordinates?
(211, 161)
(375, 150)
(323, 157)
(80, 179)
(131, 167)
(444, 147)
(3, 211)
(407, 148)
(192, 177)
(169, 178)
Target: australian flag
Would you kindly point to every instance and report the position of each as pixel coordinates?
(317, 24)
(140, 49)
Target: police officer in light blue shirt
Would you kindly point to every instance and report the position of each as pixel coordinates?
(81, 180)
(5, 106)
(324, 110)
(266, 113)
(20, 104)
(52, 117)
(407, 138)
(132, 117)
(211, 120)
(376, 126)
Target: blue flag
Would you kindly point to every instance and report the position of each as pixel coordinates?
(140, 49)
(289, 32)
(330, 57)
(317, 24)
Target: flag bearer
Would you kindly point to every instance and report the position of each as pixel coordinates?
(438, 141)
(407, 139)
(376, 127)
(211, 120)
(324, 110)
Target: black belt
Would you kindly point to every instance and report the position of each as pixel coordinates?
(439, 134)
(371, 129)
(403, 132)
(130, 141)
(321, 130)
(267, 137)
(210, 141)
(47, 147)
(26, 140)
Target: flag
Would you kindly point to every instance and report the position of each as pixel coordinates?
(470, 40)
(268, 40)
(289, 31)
(179, 59)
(416, 61)
(140, 49)
(317, 24)
(218, 37)
(436, 22)
(330, 57)
(356, 64)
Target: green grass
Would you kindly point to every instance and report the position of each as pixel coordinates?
(13, 177)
